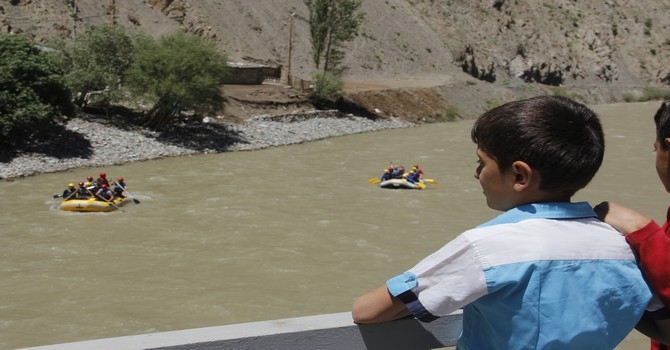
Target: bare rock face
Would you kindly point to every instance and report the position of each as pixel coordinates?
(160, 4)
(665, 76)
(555, 42)
(185, 15)
(587, 55)
(569, 43)
(477, 65)
(175, 9)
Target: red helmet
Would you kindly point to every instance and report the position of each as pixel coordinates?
(89, 178)
(102, 175)
(81, 184)
(121, 179)
(104, 186)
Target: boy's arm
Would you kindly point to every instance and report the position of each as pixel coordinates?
(378, 305)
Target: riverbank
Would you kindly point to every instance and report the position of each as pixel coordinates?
(92, 141)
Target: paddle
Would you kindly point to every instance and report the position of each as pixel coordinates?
(430, 181)
(374, 180)
(56, 195)
(129, 194)
(111, 203)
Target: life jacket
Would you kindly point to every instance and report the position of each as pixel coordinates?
(102, 180)
(105, 193)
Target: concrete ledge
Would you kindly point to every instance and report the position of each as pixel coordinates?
(329, 331)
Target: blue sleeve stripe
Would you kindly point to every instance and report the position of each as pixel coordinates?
(401, 287)
(401, 283)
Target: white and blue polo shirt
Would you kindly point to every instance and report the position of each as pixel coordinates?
(539, 276)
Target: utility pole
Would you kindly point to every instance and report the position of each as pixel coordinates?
(290, 47)
(112, 11)
(74, 20)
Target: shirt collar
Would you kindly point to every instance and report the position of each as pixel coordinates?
(545, 210)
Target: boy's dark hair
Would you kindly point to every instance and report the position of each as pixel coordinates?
(662, 121)
(560, 138)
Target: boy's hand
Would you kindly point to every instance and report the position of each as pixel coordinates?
(624, 220)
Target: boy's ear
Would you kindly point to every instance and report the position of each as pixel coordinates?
(523, 175)
(667, 141)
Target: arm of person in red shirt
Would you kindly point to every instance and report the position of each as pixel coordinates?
(649, 241)
(652, 248)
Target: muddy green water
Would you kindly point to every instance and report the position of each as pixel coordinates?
(248, 236)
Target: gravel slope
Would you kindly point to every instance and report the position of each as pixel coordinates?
(88, 142)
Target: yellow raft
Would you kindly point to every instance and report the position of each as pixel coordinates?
(92, 204)
(402, 184)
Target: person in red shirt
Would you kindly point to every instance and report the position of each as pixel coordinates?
(102, 180)
(650, 241)
(105, 193)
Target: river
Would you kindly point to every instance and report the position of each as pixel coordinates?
(247, 236)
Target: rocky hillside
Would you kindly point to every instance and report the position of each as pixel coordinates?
(473, 53)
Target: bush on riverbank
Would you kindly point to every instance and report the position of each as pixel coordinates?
(33, 92)
(650, 93)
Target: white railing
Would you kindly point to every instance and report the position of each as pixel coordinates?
(330, 331)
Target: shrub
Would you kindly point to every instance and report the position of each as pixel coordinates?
(33, 93)
(327, 86)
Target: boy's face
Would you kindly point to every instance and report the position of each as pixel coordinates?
(662, 163)
(498, 187)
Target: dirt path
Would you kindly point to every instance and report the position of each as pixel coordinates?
(398, 82)
(411, 98)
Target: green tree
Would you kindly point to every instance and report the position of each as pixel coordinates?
(332, 23)
(326, 86)
(97, 61)
(176, 72)
(33, 94)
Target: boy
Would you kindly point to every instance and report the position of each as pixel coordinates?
(544, 274)
(648, 239)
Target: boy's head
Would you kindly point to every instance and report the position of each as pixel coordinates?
(557, 137)
(662, 144)
(662, 121)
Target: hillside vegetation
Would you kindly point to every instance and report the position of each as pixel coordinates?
(472, 54)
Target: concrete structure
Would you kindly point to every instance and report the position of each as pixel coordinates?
(330, 331)
(250, 74)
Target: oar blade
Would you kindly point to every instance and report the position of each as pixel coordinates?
(374, 180)
(136, 201)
